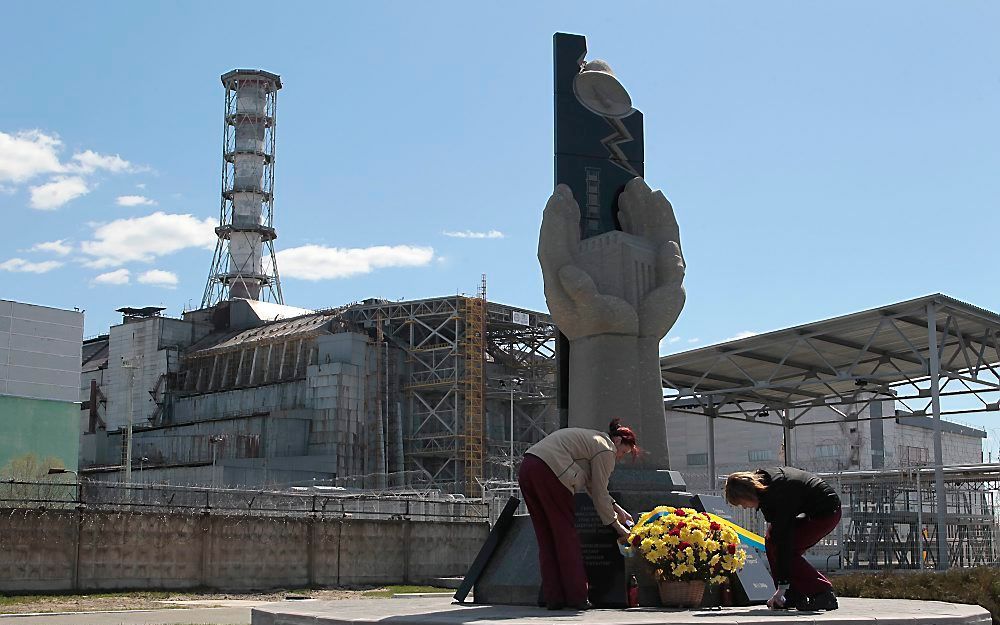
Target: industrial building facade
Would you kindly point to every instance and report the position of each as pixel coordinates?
(869, 442)
(376, 395)
(39, 371)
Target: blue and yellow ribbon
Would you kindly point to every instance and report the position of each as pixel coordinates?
(747, 537)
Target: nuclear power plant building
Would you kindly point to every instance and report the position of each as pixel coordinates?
(372, 395)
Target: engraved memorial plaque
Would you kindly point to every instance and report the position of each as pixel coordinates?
(604, 563)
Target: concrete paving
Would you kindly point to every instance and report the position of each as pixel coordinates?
(441, 611)
(193, 616)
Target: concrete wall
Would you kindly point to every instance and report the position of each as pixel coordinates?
(283, 396)
(153, 346)
(40, 351)
(90, 550)
(317, 427)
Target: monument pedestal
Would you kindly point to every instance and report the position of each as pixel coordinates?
(510, 575)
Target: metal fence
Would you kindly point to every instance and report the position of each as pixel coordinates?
(891, 517)
(161, 497)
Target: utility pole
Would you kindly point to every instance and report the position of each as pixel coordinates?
(130, 366)
(511, 384)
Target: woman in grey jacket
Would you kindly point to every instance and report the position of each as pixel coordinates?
(565, 462)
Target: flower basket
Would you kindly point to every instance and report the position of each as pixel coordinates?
(681, 594)
(687, 549)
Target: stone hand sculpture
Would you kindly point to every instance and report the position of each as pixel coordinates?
(615, 296)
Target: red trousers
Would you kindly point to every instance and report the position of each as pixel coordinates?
(550, 504)
(802, 576)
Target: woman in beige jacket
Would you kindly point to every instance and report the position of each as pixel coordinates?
(565, 462)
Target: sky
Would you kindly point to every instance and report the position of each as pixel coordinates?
(821, 158)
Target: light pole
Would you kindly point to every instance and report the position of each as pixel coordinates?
(213, 441)
(511, 384)
(62, 470)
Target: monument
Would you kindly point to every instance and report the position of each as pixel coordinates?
(613, 270)
(610, 253)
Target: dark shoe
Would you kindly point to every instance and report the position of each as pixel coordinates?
(823, 601)
(794, 600)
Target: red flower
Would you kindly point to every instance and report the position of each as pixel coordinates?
(680, 512)
(636, 540)
(674, 532)
(681, 524)
(683, 545)
(731, 548)
(715, 527)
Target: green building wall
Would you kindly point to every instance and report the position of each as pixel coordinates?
(37, 434)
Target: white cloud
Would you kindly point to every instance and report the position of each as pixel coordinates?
(158, 277)
(88, 161)
(674, 339)
(134, 200)
(740, 335)
(61, 190)
(28, 154)
(694, 340)
(56, 247)
(118, 276)
(470, 234)
(316, 262)
(140, 185)
(24, 266)
(143, 239)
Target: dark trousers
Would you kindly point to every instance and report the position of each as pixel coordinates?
(550, 504)
(802, 577)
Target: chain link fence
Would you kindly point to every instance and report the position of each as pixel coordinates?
(317, 501)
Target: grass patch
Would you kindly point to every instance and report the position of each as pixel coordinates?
(979, 586)
(388, 591)
(11, 600)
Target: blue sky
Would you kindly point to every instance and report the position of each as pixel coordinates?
(822, 158)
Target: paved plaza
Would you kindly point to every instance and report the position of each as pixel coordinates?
(442, 611)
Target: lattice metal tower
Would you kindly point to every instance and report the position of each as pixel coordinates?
(244, 264)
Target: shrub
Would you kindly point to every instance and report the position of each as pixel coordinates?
(980, 586)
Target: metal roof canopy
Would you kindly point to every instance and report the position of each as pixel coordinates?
(916, 351)
(882, 351)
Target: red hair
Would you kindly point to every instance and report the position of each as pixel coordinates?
(627, 436)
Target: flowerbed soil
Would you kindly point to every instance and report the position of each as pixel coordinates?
(22, 604)
(980, 586)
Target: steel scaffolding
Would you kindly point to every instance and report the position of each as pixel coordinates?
(891, 518)
(455, 349)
